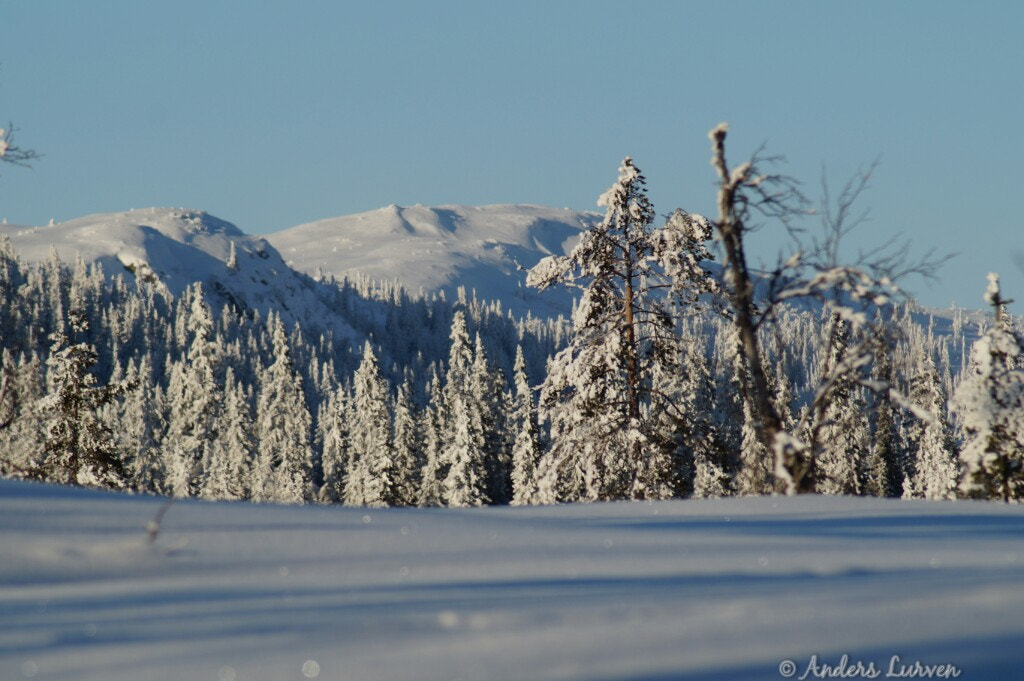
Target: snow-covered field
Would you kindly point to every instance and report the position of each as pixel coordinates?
(724, 589)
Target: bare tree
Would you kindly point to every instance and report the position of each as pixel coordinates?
(813, 272)
(11, 152)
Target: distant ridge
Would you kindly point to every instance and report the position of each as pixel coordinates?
(440, 248)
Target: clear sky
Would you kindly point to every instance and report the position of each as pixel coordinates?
(270, 114)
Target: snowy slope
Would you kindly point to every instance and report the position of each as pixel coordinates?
(723, 589)
(174, 248)
(441, 248)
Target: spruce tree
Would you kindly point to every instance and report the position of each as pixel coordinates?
(434, 470)
(231, 454)
(406, 447)
(333, 427)
(990, 403)
(526, 450)
(842, 423)
(78, 449)
(195, 397)
(283, 425)
(371, 479)
(141, 417)
(464, 452)
(488, 394)
(23, 432)
(933, 474)
(886, 451)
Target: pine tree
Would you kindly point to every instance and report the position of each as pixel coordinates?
(990, 402)
(604, 444)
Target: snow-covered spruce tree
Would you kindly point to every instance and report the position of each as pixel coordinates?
(195, 398)
(887, 454)
(934, 472)
(463, 455)
(371, 479)
(434, 470)
(78, 449)
(406, 446)
(990, 402)
(841, 420)
(22, 434)
(598, 390)
(332, 427)
(488, 393)
(231, 454)
(141, 416)
(698, 453)
(526, 450)
(283, 467)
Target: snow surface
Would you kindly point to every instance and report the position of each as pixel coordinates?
(481, 248)
(714, 589)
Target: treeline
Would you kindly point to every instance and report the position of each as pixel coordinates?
(113, 384)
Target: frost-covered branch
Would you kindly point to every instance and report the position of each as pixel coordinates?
(11, 152)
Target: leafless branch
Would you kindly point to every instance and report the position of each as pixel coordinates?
(12, 153)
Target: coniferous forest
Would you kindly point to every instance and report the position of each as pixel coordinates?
(649, 390)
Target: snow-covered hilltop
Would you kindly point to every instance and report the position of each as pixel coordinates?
(432, 249)
(173, 248)
(481, 248)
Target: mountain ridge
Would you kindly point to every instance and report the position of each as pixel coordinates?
(425, 249)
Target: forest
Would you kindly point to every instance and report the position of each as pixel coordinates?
(675, 376)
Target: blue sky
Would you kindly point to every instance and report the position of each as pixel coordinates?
(272, 114)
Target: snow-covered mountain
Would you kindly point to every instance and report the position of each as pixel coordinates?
(173, 248)
(483, 248)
